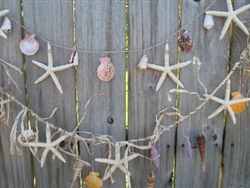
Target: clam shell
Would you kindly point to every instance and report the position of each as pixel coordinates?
(29, 45)
(239, 107)
(143, 64)
(208, 22)
(106, 70)
(6, 27)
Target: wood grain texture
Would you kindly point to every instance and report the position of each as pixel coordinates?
(151, 22)
(212, 52)
(16, 170)
(236, 154)
(100, 26)
(52, 20)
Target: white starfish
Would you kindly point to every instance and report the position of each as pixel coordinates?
(231, 15)
(50, 70)
(226, 103)
(166, 69)
(2, 13)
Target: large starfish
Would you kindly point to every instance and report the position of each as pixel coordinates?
(50, 70)
(226, 103)
(231, 15)
(166, 70)
(2, 13)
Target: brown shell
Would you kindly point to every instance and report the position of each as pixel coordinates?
(93, 180)
(239, 107)
(151, 180)
(202, 149)
(185, 42)
(4, 120)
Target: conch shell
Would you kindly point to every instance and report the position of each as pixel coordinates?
(93, 180)
(151, 180)
(143, 64)
(106, 70)
(202, 149)
(29, 45)
(6, 27)
(239, 107)
(185, 42)
(77, 168)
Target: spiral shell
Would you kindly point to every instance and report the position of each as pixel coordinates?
(151, 180)
(77, 168)
(155, 156)
(202, 149)
(143, 64)
(93, 180)
(106, 70)
(208, 22)
(6, 26)
(239, 107)
(27, 136)
(29, 45)
(4, 120)
(185, 42)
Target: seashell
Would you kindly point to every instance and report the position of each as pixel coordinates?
(29, 45)
(143, 64)
(3, 12)
(202, 149)
(77, 168)
(155, 156)
(74, 58)
(185, 42)
(247, 72)
(208, 22)
(239, 107)
(188, 147)
(27, 136)
(4, 120)
(106, 70)
(6, 27)
(93, 180)
(151, 180)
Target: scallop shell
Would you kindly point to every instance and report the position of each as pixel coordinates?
(208, 22)
(239, 107)
(151, 180)
(6, 27)
(74, 58)
(106, 70)
(202, 149)
(143, 64)
(29, 45)
(93, 180)
(185, 42)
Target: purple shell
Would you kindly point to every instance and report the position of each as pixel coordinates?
(155, 156)
(188, 147)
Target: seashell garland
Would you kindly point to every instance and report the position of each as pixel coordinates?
(4, 120)
(185, 42)
(239, 107)
(106, 70)
(151, 180)
(29, 45)
(6, 27)
(202, 149)
(93, 180)
(143, 64)
(208, 22)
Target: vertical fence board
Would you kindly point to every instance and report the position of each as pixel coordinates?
(236, 154)
(16, 170)
(52, 20)
(100, 26)
(210, 50)
(150, 23)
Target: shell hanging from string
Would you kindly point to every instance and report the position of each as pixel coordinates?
(6, 26)
(27, 136)
(155, 156)
(151, 180)
(202, 149)
(106, 70)
(239, 107)
(4, 119)
(78, 166)
(143, 64)
(74, 58)
(208, 22)
(185, 42)
(93, 180)
(29, 45)
(188, 147)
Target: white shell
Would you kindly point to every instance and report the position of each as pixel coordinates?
(29, 45)
(27, 133)
(143, 64)
(6, 27)
(208, 22)
(74, 58)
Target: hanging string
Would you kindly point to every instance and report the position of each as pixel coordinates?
(121, 51)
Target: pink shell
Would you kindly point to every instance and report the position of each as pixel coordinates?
(29, 45)
(188, 147)
(155, 156)
(106, 70)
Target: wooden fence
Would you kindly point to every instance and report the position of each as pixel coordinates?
(102, 25)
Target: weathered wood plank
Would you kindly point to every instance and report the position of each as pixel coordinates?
(210, 50)
(236, 153)
(15, 171)
(151, 22)
(100, 26)
(52, 20)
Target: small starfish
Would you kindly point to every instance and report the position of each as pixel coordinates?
(2, 13)
(231, 15)
(50, 70)
(226, 103)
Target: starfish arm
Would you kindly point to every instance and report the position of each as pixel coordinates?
(241, 25)
(44, 155)
(227, 93)
(45, 75)
(242, 9)
(217, 13)
(50, 57)
(225, 27)
(58, 154)
(53, 76)
(124, 170)
(48, 134)
(180, 65)
(231, 113)
(108, 161)
(161, 80)
(4, 12)
(166, 56)
(175, 79)
(216, 112)
(2, 34)
(156, 67)
(129, 158)
(216, 99)
(62, 67)
(229, 6)
(110, 172)
(41, 65)
(236, 101)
